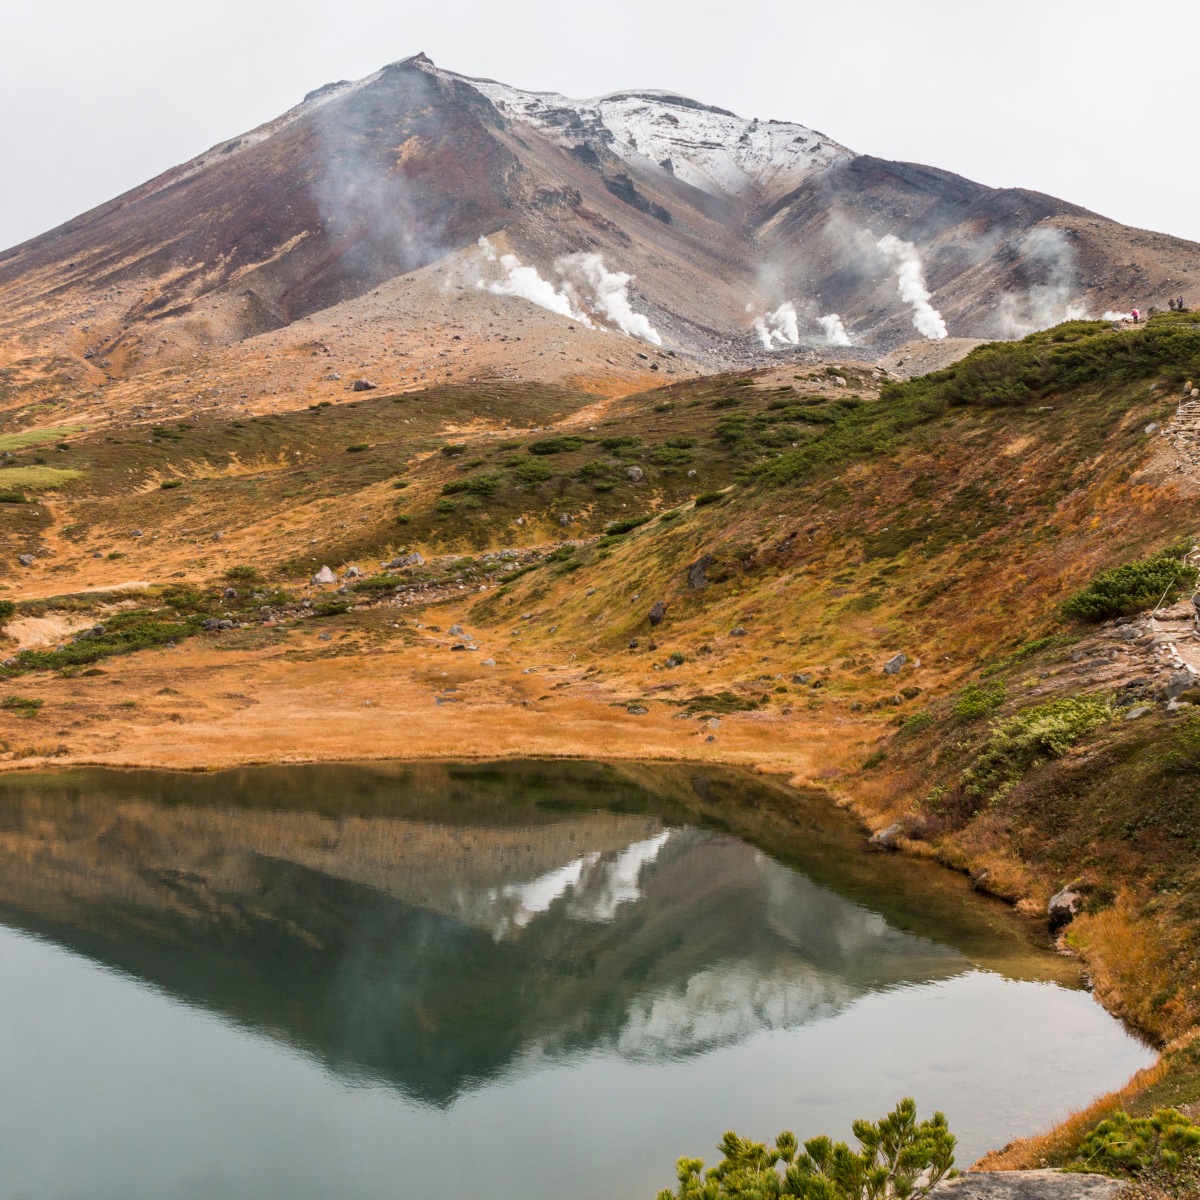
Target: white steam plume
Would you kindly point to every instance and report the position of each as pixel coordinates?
(586, 285)
(525, 282)
(605, 292)
(835, 331)
(1045, 252)
(780, 327)
(1116, 316)
(911, 285)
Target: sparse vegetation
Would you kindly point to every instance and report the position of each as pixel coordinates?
(1135, 586)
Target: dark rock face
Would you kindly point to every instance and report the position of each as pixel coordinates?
(697, 575)
(1063, 908)
(657, 612)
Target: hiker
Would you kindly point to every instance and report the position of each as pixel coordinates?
(1171, 304)
(1135, 315)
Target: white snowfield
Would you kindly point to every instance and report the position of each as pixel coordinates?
(709, 148)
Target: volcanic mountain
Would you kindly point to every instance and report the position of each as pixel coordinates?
(357, 217)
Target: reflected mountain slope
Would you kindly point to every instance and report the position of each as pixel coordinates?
(435, 954)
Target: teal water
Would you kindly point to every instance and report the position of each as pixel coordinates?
(524, 980)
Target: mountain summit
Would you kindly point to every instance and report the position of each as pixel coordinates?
(642, 213)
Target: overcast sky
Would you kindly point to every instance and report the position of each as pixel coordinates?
(1089, 101)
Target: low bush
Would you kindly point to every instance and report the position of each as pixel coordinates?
(974, 701)
(1133, 587)
(896, 1157)
(557, 445)
(1125, 1145)
(706, 498)
(26, 706)
(13, 498)
(625, 525)
(530, 471)
(487, 484)
(1020, 742)
(170, 484)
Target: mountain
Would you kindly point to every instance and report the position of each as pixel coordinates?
(362, 208)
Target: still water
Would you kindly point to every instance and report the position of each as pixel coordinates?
(522, 981)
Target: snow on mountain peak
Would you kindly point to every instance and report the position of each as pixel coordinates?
(709, 148)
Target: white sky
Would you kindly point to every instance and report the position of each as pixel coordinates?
(1085, 99)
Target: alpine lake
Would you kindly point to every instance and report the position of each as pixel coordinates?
(516, 980)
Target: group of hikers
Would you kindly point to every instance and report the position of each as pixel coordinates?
(1177, 305)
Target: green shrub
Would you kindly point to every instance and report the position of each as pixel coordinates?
(13, 498)
(671, 456)
(616, 445)
(897, 1157)
(168, 484)
(974, 701)
(1132, 587)
(1125, 1145)
(357, 448)
(445, 505)
(706, 498)
(530, 471)
(1022, 741)
(331, 608)
(557, 445)
(453, 449)
(244, 574)
(475, 485)
(401, 484)
(7, 609)
(915, 724)
(625, 525)
(25, 705)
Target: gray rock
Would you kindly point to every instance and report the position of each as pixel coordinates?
(1064, 907)
(97, 553)
(210, 623)
(657, 612)
(697, 575)
(324, 575)
(565, 518)
(224, 624)
(231, 593)
(1179, 683)
(1138, 710)
(1152, 427)
(887, 839)
(1127, 633)
(509, 555)
(1030, 1185)
(893, 664)
(713, 723)
(637, 710)
(353, 573)
(489, 662)
(455, 631)
(216, 537)
(802, 677)
(636, 474)
(26, 560)
(12, 662)
(407, 560)
(136, 533)
(363, 385)
(738, 631)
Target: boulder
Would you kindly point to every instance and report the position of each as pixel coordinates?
(26, 560)
(353, 573)
(887, 839)
(1064, 907)
(1030, 1185)
(210, 623)
(97, 553)
(407, 560)
(1179, 683)
(231, 593)
(657, 612)
(1127, 633)
(893, 664)
(738, 631)
(636, 710)
(323, 576)
(1138, 710)
(489, 662)
(636, 474)
(697, 573)
(363, 385)
(455, 631)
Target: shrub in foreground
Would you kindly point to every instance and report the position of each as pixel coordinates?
(1132, 587)
(1125, 1145)
(897, 1157)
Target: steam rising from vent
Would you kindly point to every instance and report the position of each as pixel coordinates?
(778, 328)
(911, 285)
(525, 282)
(1045, 254)
(606, 291)
(586, 285)
(835, 331)
(1116, 316)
